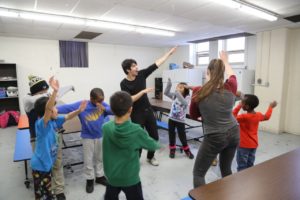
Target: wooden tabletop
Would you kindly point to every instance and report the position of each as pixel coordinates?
(276, 179)
(23, 122)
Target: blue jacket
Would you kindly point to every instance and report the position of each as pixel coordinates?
(91, 118)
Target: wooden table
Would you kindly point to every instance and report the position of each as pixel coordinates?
(275, 179)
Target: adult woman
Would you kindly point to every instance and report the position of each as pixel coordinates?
(214, 102)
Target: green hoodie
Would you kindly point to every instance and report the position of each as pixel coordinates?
(121, 144)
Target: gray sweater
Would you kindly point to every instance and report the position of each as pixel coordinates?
(216, 112)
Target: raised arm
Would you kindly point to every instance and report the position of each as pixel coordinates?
(268, 114)
(67, 108)
(76, 112)
(167, 91)
(54, 84)
(162, 59)
(228, 69)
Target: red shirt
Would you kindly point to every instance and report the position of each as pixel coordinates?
(249, 126)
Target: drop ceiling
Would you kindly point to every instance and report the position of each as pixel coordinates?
(191, 19)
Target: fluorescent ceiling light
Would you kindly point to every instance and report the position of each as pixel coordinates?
(110, 25)
(51, 18)
(248, 8)
(8, 13)
(64, 19)
(145, 30)
(258, 13)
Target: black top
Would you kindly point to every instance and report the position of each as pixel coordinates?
(32, 117)
(137, 85)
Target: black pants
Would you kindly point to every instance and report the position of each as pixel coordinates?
(133, 192)
(224, 144)
(180, 130)
(147, 120)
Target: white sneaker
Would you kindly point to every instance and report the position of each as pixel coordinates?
(153, 161)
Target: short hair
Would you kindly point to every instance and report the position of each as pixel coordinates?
(126, 64)
(251, 100)
(96, 92)
(120, 103)
(40, 106)
(186, 91)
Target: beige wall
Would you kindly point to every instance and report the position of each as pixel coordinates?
(278, 65)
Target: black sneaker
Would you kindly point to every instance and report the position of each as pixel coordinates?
(189, 154)
(172, 153)
(89, 186)
(60, 196)
(101, 180)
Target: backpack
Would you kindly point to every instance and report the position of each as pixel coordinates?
(9, 118)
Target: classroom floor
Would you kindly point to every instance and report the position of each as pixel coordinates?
(171, 180)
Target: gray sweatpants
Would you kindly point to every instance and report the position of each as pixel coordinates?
(92, 151)
(224, 144)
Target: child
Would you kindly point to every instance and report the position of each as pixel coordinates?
(39, 88)
(177, 117)
(249, 129)
(92, 119)
(122, 140)
(46, 144)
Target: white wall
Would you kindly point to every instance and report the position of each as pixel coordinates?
(273, 50)
(35, 56)
(292, 110)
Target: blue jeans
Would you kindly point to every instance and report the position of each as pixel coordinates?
(245, 158)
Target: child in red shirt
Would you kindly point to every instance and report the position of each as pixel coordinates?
(249, 129)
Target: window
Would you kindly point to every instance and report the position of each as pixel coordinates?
(73, 54)
(202, 53)
(235, 48)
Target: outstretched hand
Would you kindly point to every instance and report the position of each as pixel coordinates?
(83, 105)
(273, 104)
(147, 90)
(54, 84)
(224, 56)
(172, 50)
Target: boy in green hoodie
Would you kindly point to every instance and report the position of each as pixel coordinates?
(122, 140)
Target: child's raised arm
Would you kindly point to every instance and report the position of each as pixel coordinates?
(54, 84)
(76, 112)
(168, 89)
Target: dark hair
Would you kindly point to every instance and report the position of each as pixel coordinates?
(120, 103)
(251, 101)
(126, 64)
(40, 106)
(96, 92)
(186, 91)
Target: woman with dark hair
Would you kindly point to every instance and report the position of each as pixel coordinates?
(214, 103)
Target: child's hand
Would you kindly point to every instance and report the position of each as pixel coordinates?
(82, 106)
(100, 107)
(54, 84)
(273, 104)
(169, 80)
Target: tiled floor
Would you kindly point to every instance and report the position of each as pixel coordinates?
(170, 181)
